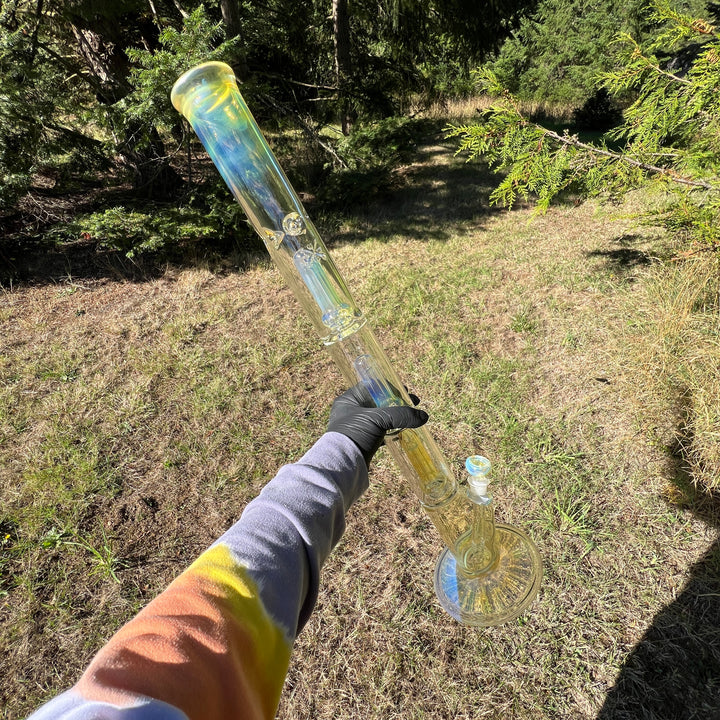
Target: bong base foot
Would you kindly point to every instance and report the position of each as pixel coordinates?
(501, 593)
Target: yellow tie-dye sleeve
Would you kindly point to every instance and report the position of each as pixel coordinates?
(206, 646)
(216, 644)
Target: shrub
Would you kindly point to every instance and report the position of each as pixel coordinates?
(157, 229)
(669, 137)
(371, 153)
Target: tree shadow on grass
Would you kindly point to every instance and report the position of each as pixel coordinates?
(430, 200)
(625, 258)
(674, 671)
(36, 262)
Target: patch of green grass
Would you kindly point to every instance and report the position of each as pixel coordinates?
(105, 560)
(136, 436)
(570, 514)
(524, 320)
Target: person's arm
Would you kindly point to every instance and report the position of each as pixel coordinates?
(216, 643)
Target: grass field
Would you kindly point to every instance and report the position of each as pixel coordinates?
(138, 418)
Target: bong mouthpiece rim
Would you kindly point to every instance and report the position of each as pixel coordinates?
(199, 83)
(478, 465)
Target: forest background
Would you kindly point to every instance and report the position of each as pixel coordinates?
(341, 88)
(100, 177)
(84, 100)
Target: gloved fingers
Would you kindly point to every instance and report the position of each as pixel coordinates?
(357, 395)
(399, 417)
(354, 415)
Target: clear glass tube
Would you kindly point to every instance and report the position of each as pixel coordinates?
(360, 358)
(209, 98)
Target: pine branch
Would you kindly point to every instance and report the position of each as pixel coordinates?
(573, 141)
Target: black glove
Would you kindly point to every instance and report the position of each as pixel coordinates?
(353, 414)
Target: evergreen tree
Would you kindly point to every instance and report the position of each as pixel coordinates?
(670, 135)
(43, 100)
(85, 83)
(558, 52)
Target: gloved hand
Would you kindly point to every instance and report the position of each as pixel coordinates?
(353, 414)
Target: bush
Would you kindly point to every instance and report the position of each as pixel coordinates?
(385, 142)
(557, 53)
(159, 229)
(599, 112)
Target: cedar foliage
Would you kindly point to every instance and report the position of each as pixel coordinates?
(557, 52)
(669, 136)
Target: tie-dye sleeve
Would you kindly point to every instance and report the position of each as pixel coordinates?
(216, 643)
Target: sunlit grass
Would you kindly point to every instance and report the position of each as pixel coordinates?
(137, 419)
(674, 346)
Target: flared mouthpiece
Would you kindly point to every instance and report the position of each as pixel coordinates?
(202, 88)
(478, 468)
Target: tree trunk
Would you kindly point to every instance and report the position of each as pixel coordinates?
(230, 10)
(100, 42)
(343, 67)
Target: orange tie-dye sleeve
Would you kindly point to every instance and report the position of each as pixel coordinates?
(215, 645)
(206, 646)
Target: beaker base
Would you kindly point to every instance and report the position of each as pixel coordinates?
(501, 593)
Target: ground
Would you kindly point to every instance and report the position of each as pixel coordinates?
(138, 418)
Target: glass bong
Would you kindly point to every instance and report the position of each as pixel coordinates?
(488, 573)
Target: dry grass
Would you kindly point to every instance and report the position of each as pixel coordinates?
(466, 109)
(676, 343)
(141, 417)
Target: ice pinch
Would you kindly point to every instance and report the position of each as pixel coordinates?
(477, 556)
